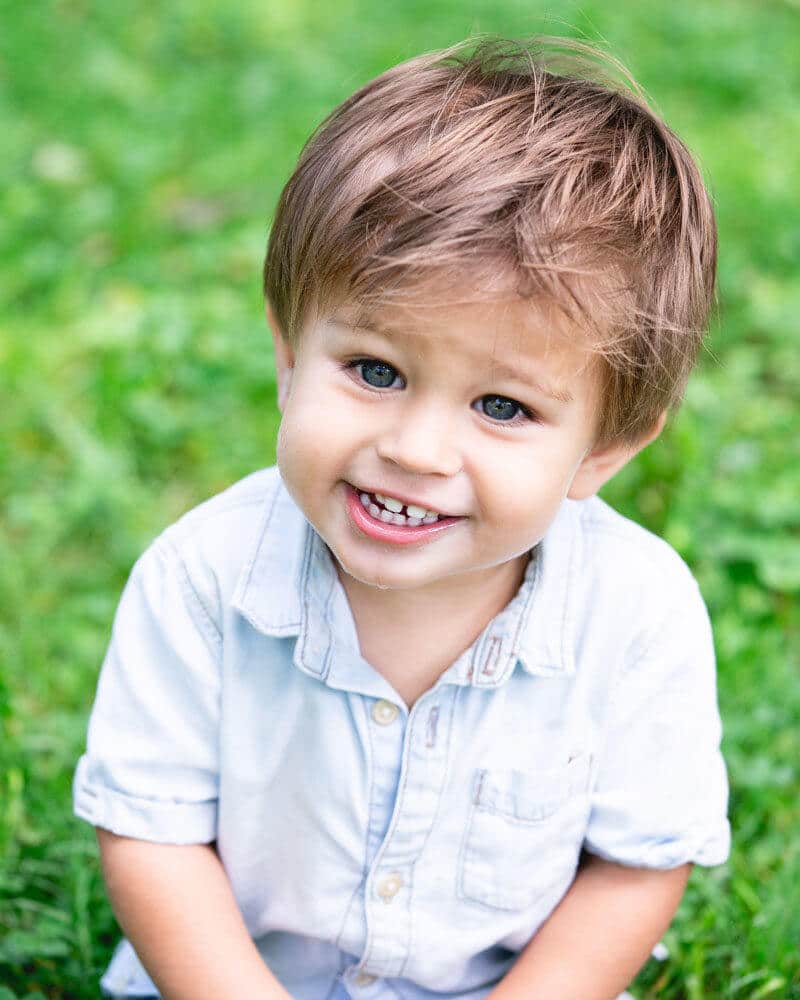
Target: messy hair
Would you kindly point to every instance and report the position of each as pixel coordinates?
(529, 170)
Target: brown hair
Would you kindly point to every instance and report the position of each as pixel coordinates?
(525, 166)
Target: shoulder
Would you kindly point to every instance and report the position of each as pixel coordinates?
(620, 552)
(212, 545)
(227, 521)
(629, 584)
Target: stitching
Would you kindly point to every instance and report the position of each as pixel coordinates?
(461, 861)
(624, 670)
(396, 813)
(481, 896)
(304, 616)
(456, 692)
(400, 800)
(410, 934)
(332, 991)
(553, 806)
(431, 727)
(463, 849)
(490, 660)
(257, 620)
(371, 785)
(472, 673)
(208, 626)
(524, 617)
(327, 618)
(509, 907)
(648, 642)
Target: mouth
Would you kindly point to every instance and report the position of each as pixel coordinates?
(390, 519)
(392, 510)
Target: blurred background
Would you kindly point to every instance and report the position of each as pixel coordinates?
(144, 145)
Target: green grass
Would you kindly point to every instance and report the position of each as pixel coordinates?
(144, 146)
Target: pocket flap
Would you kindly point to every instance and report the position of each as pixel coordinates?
(529, 796)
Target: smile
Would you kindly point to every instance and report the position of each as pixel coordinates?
(392, 511)
(388, 519)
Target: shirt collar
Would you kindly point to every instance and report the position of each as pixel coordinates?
(288, 584)
(537, 627)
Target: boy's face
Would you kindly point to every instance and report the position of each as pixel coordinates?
(483, 413)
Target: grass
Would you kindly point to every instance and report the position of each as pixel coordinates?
(145, 145)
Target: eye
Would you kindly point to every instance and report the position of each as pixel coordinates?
(375, 373)
(502, 408)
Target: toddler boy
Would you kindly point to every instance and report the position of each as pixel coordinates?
(415, 713)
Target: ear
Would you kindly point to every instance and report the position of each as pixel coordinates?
(604, 462)
(284, 357)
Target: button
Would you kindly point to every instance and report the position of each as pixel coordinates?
(364, 979)
(384, 712)
(389, 887)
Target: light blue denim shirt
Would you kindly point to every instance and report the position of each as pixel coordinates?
(389, 852)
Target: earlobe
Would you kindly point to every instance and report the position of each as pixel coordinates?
(606, 461)
(284, 358)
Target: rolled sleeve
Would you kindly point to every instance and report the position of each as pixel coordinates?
(661, 792)
(150, 769)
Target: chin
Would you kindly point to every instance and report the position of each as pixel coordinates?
(376, 576)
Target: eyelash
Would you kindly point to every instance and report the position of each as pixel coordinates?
(522, 411)
(353, 365)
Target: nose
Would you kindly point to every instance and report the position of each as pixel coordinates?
(421, 440)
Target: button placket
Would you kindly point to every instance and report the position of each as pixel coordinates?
(423, 771)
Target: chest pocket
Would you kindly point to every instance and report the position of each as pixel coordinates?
(524, 834)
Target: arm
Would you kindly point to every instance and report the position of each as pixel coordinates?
(176, 906)
(599, 935)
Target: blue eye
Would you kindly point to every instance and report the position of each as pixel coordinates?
(376, 373)
(501, 408)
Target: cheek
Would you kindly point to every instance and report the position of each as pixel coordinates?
(524, 490)
(312, 435)
(283, 450)
(295, 444)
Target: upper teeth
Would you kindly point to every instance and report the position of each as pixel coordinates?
(411, 509)
(413, 515)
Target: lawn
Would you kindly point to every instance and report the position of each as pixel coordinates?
(144, 146)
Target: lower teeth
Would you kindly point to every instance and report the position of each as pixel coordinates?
(388, 517)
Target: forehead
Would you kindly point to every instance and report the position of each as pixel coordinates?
(510, 338)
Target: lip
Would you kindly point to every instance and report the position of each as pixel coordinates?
(392, 534)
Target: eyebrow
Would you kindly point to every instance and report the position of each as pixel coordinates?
(498, 368)
(503, 370)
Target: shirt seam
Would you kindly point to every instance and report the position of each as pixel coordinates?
(253, 559)
(208, 627)
(365, 876)
(650, 640)
(305, 605)
(389, 834)
(523, 621)
(614, 695)
(659, 553)
(455, 693)
(186, 527)
(368, 930)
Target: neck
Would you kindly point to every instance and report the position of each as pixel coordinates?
(412, 636)
(474, 598)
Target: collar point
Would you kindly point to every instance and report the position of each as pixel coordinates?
(563, 667)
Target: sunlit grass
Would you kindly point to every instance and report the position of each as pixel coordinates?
(144, 149)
